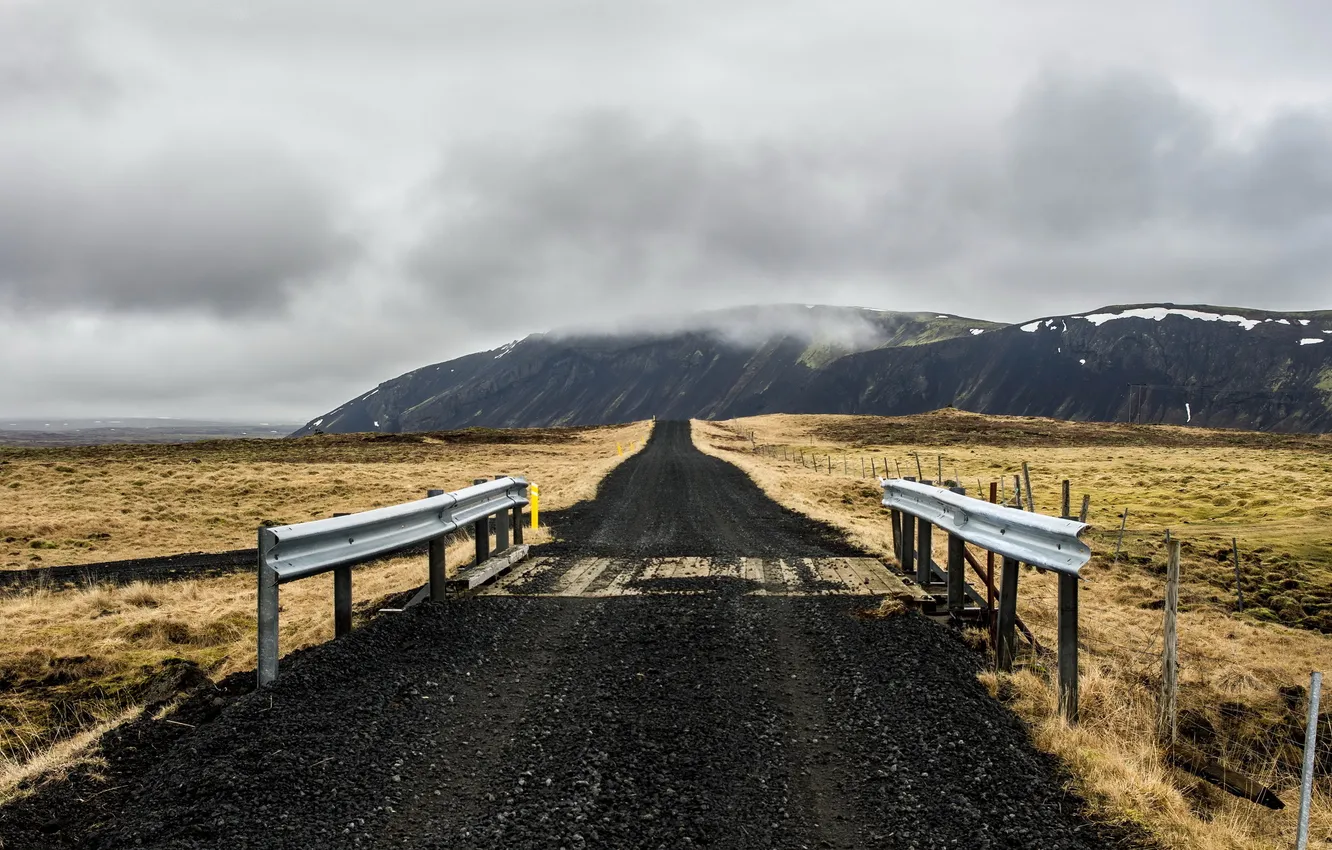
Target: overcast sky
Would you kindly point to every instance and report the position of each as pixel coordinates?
(261, 209)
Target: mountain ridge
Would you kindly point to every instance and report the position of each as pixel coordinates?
(1185, 364)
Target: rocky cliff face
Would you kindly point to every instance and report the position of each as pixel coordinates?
(1150, 363)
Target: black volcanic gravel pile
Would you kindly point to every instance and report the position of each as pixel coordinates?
(702, 717)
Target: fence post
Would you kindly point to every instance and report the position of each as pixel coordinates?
(501, 527)
(1239, 591)
(1068, 646)
(1310, 748)
(267, 662)
(1017, 491)
(924, 546)
(1123, 521)
(437, 570)
(1086, 506)
(1065, 508)
(482, 533)
(1008, 589)
(957, 598)
(1026, 485)
(1166, 722)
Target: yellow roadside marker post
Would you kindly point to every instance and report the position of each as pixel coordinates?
(534, 499)
(619, 449)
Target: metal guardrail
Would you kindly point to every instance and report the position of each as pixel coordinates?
(1021, 537)
(1043, 541)
(292, 552)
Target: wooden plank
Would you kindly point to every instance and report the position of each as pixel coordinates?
(528, 568)
(577, 586)
(872, 574)
(487, 570)
(619, 585)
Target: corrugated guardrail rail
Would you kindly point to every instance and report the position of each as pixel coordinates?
(1020, 537)
(292, 552)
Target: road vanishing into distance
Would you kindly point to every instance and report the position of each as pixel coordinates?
(675, 671)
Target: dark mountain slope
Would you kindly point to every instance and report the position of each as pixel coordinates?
(1251, 370)
(731, 360)
(1157, 363)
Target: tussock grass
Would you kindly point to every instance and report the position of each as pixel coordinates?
(1241, 676)
(73, 661)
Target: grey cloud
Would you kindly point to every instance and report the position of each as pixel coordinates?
(45, 60)
(195, 228)
(1117, 187)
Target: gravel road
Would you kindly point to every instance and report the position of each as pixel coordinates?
(714, 719)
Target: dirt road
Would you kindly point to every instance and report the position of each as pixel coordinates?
(687, 712)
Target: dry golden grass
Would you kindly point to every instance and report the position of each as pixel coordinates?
(1203, 486)
(103, 503)
(76, 660)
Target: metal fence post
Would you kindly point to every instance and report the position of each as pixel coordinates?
(1310, 747)
(957, 598)
(1068, 646)
(267, 666)
(482, 532)
(924, 549)
(1008, 588)
(438, 571)
(501, 527)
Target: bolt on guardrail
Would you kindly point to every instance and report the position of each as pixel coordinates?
(292, 552)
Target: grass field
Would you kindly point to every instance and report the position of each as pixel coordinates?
(1241, 675)
(73, 661)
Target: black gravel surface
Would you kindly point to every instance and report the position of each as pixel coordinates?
(700, 717)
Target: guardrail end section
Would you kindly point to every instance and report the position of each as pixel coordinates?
(267, 655)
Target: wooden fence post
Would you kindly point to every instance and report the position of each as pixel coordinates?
(1026, 485)
(1068, 646)
(1065, 507)
(1086, 506)
(1166, 725)
(1008, 589)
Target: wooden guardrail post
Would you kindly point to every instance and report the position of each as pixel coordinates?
(516, 523)
(482, 533)
(342, 597)
(957, 598)
(1068, 646)
(1007, 639)
(438, 573)
(924, 548)
(895, 518)
(501, 527)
